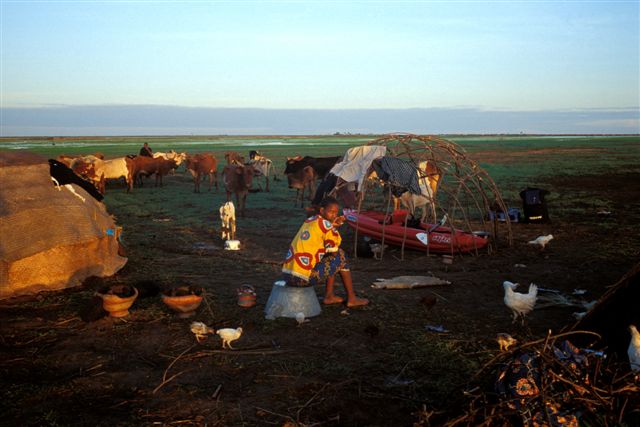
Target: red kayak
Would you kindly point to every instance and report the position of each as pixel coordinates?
(438, 240)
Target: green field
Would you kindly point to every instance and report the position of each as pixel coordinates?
(513, 162)
(504, 157)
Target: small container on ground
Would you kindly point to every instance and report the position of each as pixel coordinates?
(184, 300)
(232, 245)
(117, 299)
(447, 259)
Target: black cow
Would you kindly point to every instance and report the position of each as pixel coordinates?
(302, 173)
(321, 165)
(64, 175)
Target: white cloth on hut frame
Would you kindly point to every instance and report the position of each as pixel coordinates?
(355, 163)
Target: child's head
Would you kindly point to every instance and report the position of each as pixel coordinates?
(329, 208)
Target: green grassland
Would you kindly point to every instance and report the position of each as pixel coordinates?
(513, 162)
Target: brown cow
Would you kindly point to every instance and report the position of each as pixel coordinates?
(299, 175)
(164, 167)
(238, 179)
(202, 164)
(98, 171)
(302, 179)
(68, 160)
(142, 165)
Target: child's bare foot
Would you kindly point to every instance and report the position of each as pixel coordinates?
(357, 302)
(333, 300)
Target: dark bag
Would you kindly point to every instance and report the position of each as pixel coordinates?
(534, 205)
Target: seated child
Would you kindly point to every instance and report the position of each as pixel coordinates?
(315, 256)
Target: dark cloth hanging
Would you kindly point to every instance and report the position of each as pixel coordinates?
(534, 205)
(401, 174)
(64, 175)
(324, 188)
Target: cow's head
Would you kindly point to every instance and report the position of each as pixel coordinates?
(294, 164)
(84, 169)
(189, 161)
(246, 172)
(429, 174)
(179, 157)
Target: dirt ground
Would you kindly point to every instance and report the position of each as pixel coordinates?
(373, 366)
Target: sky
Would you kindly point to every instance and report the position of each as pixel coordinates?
(245, 67)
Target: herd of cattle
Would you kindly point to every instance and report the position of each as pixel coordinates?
(237, 175)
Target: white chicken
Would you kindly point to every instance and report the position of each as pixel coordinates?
(634, 349)
(228, 335)
(519, 304)
(377, 249)
(201, 330)
(300, 318)
(541, 241)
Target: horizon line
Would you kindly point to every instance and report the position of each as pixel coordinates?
(479, 108)
(337, 134)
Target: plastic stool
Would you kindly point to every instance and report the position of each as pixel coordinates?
(287, 301)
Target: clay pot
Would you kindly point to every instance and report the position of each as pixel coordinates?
(184, 300)
(117, 299)
(246, 296)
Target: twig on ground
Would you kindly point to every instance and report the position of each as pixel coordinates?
(206, 301)
(274, 413)
(67, 321)
(162, 384)
(256, 352)
(309, 401)
(164, 376)
(215, 393)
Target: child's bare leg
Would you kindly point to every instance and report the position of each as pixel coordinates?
(329, 296)
(352, 299)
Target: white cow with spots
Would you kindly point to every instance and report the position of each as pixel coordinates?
(171, 155)
(262, 167)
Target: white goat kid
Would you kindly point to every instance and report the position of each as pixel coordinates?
(228, 217)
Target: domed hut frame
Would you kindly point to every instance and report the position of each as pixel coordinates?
(463, 196)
